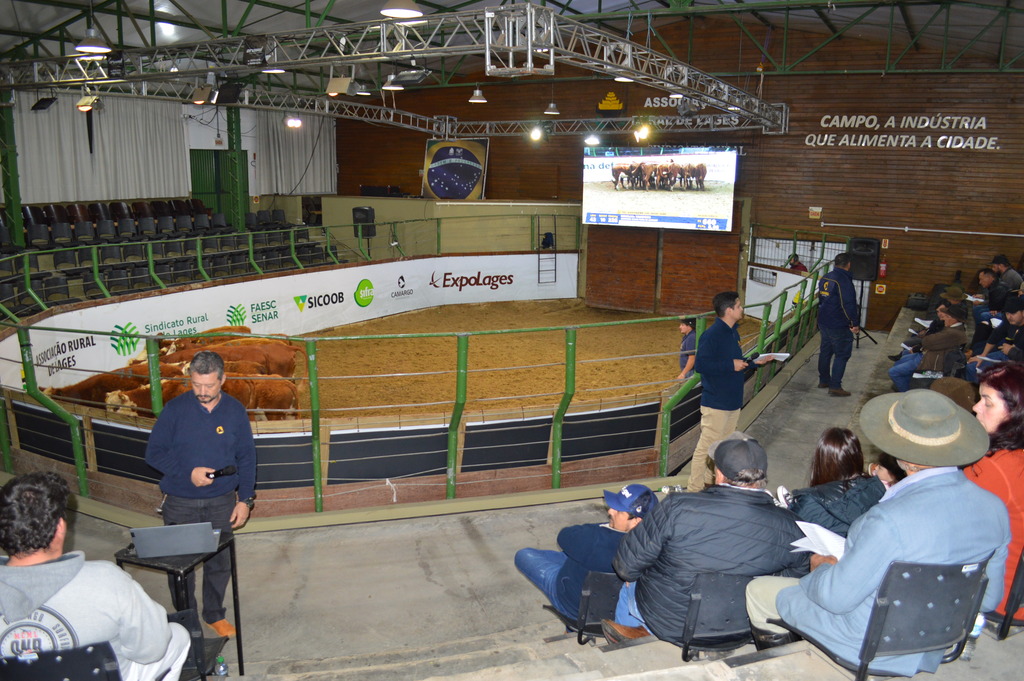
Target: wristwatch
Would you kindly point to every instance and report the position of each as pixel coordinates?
(250, 502)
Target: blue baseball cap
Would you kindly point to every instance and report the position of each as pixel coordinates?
(636, 500)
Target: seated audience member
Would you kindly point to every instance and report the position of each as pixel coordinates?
(60, 601)
(934, 347)
(1001, 411)
(687, 347)
(994, 293)
(840, 490)
(953, 296)
(795, 264)
(732, 527)
(1005, 342)
(1009, 277)
(585, 548)
(887, 469)
(934, 515)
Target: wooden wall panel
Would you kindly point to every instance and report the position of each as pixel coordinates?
(621, 268)
(966, 203)
(696, 266)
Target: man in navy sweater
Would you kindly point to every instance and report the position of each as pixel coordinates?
(721, 366)
(203, 445)
(585, 548)
(838, 322)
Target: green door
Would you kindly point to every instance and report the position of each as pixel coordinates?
(210, 179)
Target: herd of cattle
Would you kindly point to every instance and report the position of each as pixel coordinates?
(259, 375)
(658, 175)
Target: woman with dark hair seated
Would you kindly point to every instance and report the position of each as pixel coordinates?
(1001, 471)
(840, 490)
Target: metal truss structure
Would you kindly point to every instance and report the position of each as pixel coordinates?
(515, 41)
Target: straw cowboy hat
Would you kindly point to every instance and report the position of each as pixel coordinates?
(925, 428)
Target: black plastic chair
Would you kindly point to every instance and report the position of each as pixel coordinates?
(1013, 600)
(85, 232)
(598, 598)
(716, 619)
(919, 608)
(94, 662)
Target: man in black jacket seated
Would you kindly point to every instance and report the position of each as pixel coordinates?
(733, 527)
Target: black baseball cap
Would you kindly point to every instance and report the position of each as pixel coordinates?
(736, 453)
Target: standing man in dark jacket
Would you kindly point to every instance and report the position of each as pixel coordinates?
(838, 321)
(733, 528)
(202, 443)
(721, 366)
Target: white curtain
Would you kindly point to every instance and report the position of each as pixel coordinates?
(295, 160)
(139, 150)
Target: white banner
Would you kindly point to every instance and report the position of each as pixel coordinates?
(294, 305)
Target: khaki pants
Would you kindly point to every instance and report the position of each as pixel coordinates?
(761, 593)
(715, 425)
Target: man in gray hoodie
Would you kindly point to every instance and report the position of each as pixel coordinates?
(50, 600)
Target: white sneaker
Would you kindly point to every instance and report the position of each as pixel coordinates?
(785, 498)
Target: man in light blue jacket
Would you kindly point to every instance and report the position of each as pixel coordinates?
(934, 515)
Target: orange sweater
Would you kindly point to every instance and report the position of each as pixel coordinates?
(1002, 473)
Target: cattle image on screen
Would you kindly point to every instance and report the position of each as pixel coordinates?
(663, 187)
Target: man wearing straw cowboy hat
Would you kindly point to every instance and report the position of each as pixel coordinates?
(934, 515)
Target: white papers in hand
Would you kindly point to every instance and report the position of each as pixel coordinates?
(975, 299)
(819, 540)
(995, 322)
(922, 322)
(779, 356)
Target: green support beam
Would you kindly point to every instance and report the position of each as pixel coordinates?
(238, 200)
(9, 171)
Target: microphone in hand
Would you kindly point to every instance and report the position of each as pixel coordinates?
(227, 470)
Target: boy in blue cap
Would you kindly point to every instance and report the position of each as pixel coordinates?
(585, 548)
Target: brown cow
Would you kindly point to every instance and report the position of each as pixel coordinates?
(139, 401)
(188, 342)
(274, 357)
(700, 171)
(646, 176)
(667, 174)
(275, 398)
(93, 390)
(623, 172)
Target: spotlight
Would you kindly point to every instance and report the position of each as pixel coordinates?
(592, 140)
(478, 97)
(44, 103)
(390, 84)
(362, 89)
(401, 9)
(92, 43)
(540, 131)
(642, 133)
(228, 93)
(622, 78)
(88, 103)
(293, 121)
(337, 86)
(675, 95)
(201, 95)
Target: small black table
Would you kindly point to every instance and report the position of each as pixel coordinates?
(178, 568)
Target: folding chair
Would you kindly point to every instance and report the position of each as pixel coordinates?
(717, 616)
(94, 662)
(598, 598)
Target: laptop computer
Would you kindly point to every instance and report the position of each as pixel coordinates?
(174, 540)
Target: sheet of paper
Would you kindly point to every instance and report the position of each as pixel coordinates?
(819, 540)
(913, 332)
(906, 347)
(922, 322)
(995, 322)
(778, 356)
(975, 299)
(989, 359)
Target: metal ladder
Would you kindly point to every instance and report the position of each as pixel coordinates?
(547, 258)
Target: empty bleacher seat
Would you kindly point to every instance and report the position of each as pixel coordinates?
(85, 232)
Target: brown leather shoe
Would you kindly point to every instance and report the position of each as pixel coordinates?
(223, 628)
(839, 392)
(617, 633)
(823, 385)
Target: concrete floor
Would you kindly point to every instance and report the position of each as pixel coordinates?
(439, 597)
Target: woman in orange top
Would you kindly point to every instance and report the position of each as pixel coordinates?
(1001, 471)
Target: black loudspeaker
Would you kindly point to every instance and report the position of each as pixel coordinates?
(864, 254)
(363, 215)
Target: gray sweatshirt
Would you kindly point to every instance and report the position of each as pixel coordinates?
(71, 602)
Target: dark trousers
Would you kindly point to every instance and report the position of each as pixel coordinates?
(836, 349)
(216, 571)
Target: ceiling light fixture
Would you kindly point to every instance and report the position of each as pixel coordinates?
(675, 95)
(592, 140)
(88, 103)
(552, 109)
(338, 85)
(201, 95)
(478, 97)
(622, 78)
(642, 132)
(92, 43)
(401, 9)
(44, 103)
(363, 90)
(390, 84)
(293, 121)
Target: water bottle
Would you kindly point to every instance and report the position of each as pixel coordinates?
(972, 638)
(221, 667)
(673, 488)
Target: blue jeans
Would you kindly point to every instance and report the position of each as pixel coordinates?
(837, 344)
(626, 610)
(974, 368)
(542, 567)
(217, 570)
(981, 313)
(903, 370)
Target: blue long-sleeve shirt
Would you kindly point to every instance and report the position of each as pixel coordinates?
(838, 298)
(587, 548)
(722, 385)
(187, 435)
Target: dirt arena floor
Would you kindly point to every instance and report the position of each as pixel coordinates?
(507, 372)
